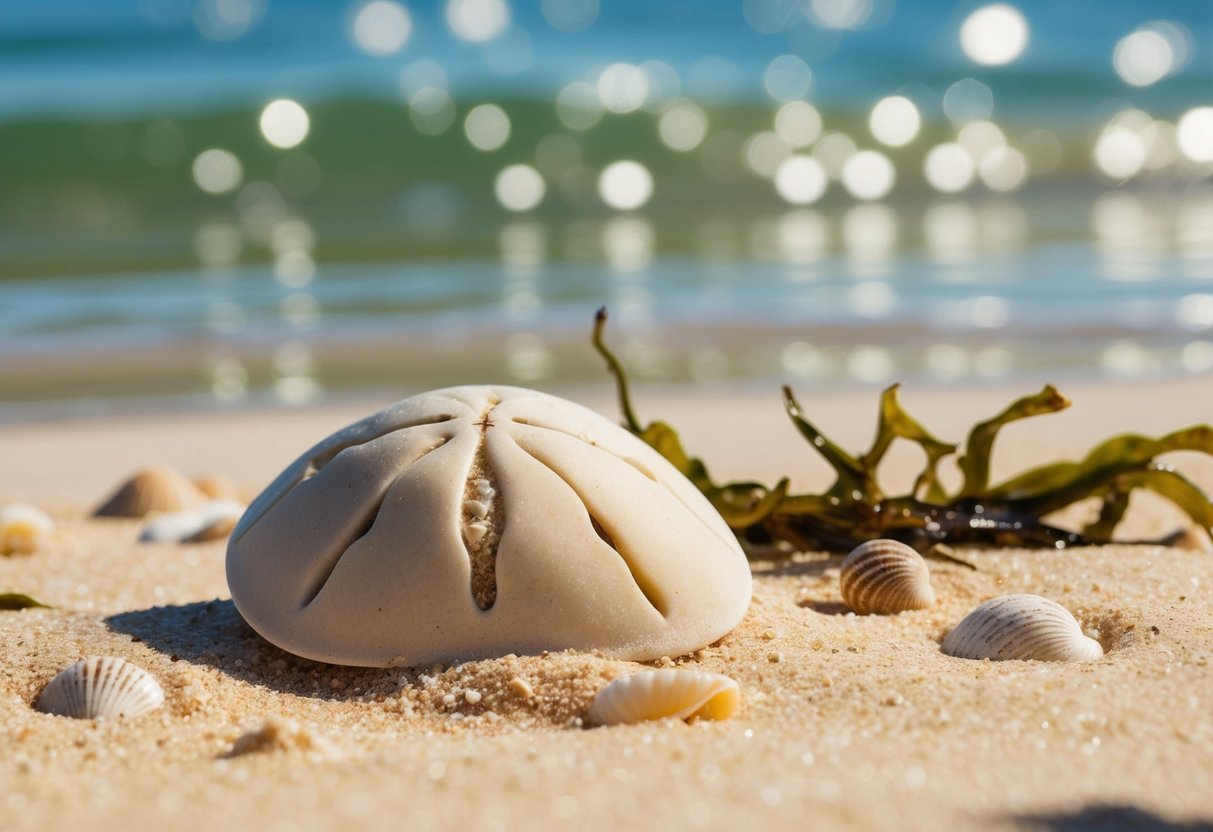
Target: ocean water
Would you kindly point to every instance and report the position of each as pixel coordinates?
(380, 252)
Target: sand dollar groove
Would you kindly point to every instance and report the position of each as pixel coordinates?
(472, 522)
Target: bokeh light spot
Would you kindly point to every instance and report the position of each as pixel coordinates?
(431, 110)
(623, 88)
(683, 126)
(840, 14)
(1194, 134)
(477, 20)
(487, 127)
(994, 35)
(949, 168)
(284, 123)
(798, 123)
(1119, 153)
(801, 180)
(764, 153)
(787, 78)
(381, 27)
(1003, 169)
(217, 171)
(519, 188)
(968, 100)
(895, 121)
(868, 175)
(578, 106)
(625, 185)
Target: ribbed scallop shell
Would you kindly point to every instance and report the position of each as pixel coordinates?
(101, 687)
(1021, 627)
(158, 488)
(883, 577)
(658, 694)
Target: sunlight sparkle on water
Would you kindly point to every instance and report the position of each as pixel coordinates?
(868, 175)
(1151, 53)
(949, 167)
(798, 123)
(625, 185)
(578, 106)
(1194, 134)
(683, 126)
(381, 27)
(623, 88)
(787, 78)
(284, 123)
(801, 180)
(519, 188)
(487, 127)
(994, 35)
(895, 121)
(217, 171)
(477, 20)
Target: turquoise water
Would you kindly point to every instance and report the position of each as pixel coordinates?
(378, 253)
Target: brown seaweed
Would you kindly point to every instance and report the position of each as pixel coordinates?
(855, 509)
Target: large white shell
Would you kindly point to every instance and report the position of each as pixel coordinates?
(22, 528)
(885, 577)
(658, 694)
(101, 687)
(1021, 627)
(473, 522)
(209, 522)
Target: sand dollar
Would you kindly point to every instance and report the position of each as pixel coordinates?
(473, 522)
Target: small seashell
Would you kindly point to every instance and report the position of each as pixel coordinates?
(22, 528)
(1021, 627)
(101, 687)
(158, 488)
(216, 487)
(658, 694)
(885, 577)
(212, 521)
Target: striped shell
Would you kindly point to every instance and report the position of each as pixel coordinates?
(101, 687)
(1021, 627)
(885, 577)
(658, 694)
(158, 488)
(22, 528)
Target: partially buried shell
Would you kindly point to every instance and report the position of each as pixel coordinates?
(885, 577)
(158, 488)
(658, 694)
(22, 528)
(101, 687)
(213, 521)
(1021, 627)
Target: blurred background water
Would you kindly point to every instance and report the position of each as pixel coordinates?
(233, 201)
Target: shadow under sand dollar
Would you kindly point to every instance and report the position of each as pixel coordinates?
(1110, 818)
(213, 634)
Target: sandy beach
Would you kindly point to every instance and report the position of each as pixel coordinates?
(847, 722)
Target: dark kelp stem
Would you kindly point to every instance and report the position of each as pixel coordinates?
(854, 509)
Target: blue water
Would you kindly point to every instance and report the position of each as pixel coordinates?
(137, 56)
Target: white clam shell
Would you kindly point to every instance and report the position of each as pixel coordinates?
(210, 522)
(661, 694)
(473, 522)
(22, 528)
(1021, 627)
(101, 687)
(883, 577)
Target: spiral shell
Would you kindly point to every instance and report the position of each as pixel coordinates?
(101, 687)
(158, 488)
(885, 577)
(1021, 627)
(22, 528)
(658, 694)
